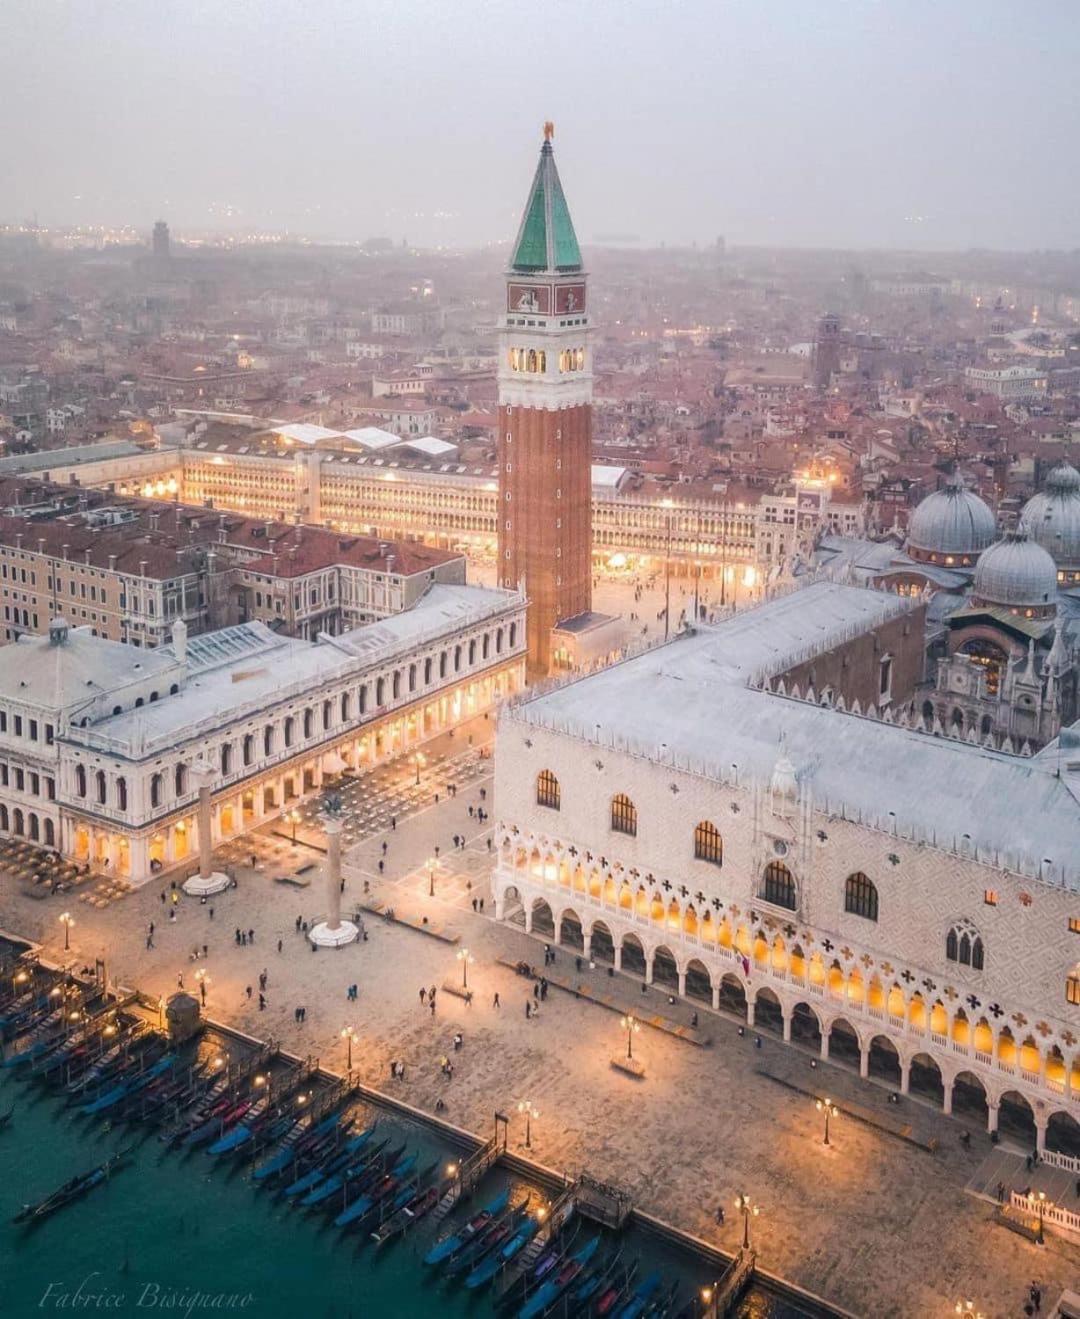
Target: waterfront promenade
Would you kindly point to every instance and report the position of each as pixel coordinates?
(872, 1222)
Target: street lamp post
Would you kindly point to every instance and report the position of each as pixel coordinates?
(418, 761)
(294, 820)
(531, 1114)
(348, 1034)
(968, 1309)
(830, 1110)
(749, 1210)
(1040, 1198)
(630, 1025)
(268, 1082)
(431, 877)
(67, 921)
(465, 957)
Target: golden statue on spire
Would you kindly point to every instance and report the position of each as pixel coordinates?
(549, 130)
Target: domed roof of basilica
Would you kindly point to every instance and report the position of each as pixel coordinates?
(1052, 517)
(1016, 571)
(952, 520)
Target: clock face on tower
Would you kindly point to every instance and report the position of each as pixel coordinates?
(531, 299)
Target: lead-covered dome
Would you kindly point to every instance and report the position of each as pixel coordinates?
(1052, 517)
(951, 521)
(1017, 573)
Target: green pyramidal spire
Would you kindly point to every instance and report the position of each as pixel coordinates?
(546, 238)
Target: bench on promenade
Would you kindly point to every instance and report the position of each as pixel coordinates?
(631, 1066)
(297, 880)
(433, 931)
(452, 987)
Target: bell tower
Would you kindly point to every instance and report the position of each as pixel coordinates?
(545, 417)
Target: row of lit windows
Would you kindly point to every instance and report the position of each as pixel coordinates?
(572, 359)
(531, 360)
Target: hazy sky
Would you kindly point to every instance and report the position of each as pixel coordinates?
(926, 123)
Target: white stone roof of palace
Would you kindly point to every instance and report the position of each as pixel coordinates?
(239, 672)
(304, 432)
(690, 704)
(372, 437)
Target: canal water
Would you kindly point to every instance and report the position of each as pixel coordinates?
(183, 1234)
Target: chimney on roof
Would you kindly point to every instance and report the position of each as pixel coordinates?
(86, 556)
(391, 559)
(112, 562)
(18, 540)
(41, 544)
(142, 567)
(64, 550)
(154, 521)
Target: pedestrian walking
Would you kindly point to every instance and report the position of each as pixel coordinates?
(236, 936)
(298, 920)
(279, 945)
(251, 936)
(211, 913)
(262, 1003)
(149, 941)
(496, 1004)
(432, 1007)
(180, 980)
(431, 993)
(423, 995)
(243, 939)
(528, 1008)
(163, 897)
(536, 990)
(248, 991)
(205, 950)
(393, 823)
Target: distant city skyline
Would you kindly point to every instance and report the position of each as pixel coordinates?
(853, 125)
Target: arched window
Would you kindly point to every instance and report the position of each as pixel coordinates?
(860, 896)
(472, 652)
(290, 730)
(101, 787)
(327, 714)
(442, 665)
(427, 672)
(155, 790)
(623, 814)
(180, 780)
(1072, 986)
(498, 641)
(380, 691)
(779, 887)
(268, 739)
(708, 845)
(457, 659)
(121, 793)
(547, 789)
(396, 685)
(248, 746)
(963, 944)
(50, 833)
(5, 822)
(80, 780)
(309, 724)
(513, 635)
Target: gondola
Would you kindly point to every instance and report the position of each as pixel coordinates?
(5, 1118)
(422, 1200)
(639, 1297)
(447, 1245)
(545, 1297)
(290, 1152)
(492, 1238)
(72, 1190)
(483, 1272)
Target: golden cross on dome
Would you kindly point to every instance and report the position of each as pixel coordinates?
(549, 130)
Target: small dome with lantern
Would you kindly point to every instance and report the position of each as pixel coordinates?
(1018, 574)
(1052, 517)
(953, 523)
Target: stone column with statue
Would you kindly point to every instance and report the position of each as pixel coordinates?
(333, 932)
